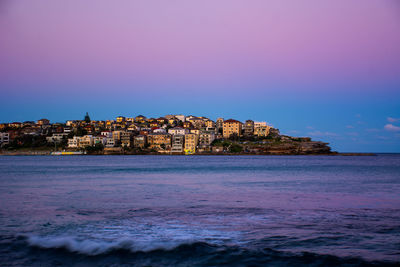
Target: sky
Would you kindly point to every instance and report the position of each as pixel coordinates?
(325, 69)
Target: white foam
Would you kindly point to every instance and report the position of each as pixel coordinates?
(96, 247)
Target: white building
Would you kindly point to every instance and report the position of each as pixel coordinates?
(106, 134)
(178, 141)
(159, 130)
(182, 118)
(178, 130)
(110, 142)
(4, 138)
(56, 137)
(74, 142)
(206, 138)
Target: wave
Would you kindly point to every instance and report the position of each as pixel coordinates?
(70, 250)
(97, 247)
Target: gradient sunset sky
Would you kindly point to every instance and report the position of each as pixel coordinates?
(325, 69)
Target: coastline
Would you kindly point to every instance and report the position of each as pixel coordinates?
(49, 153)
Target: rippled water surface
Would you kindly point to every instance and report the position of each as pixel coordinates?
(200, 210)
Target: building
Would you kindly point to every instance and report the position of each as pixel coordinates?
(206, 138)
(15, 125)
(178, 130)
(106, 134)
(116, 135)
(219, 124)
(139, 141)
(195, 131)
(248, 128)
(178, 141)
(99, 140)
(110, 142)
(86, 140)
(259, 123)
(209, 124)
(231, 128)
(140, 119)
(159, 130)
(262, 130)
(74, 142)
(191, 141)
(159, 141)
(187, 124)
(182, 118)
(56, 137)
(120, 119)
(4, 139)
(43, 122)
(197, 122)
(126, 138)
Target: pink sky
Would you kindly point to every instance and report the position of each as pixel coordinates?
(351, 43)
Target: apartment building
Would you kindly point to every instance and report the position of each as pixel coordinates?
(231, 127)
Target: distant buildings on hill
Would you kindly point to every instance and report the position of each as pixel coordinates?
(169, 134)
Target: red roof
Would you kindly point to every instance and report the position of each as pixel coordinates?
(232, 120)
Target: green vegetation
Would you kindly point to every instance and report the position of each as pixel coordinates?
(97, 148)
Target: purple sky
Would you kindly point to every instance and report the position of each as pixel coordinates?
(282, 61)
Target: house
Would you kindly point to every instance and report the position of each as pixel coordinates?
(181, 118)
(232, 127)
(140, 119)
(120, 119)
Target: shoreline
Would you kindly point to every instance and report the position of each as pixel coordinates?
(48, 153)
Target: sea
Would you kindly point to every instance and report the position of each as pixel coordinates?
(200, 210)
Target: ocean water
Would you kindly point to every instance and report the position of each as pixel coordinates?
(200, 210)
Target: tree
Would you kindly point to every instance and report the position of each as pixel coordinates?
(87, 118)
(235, 148)
(94, 149)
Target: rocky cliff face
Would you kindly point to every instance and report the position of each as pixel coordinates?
(286, 145)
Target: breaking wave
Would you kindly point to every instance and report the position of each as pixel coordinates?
(96, 247)
(69, 251)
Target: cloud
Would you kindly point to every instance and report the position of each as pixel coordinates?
(310, 127)
(391, 119)
(391, 128)
(350, 126)
(322, 134)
